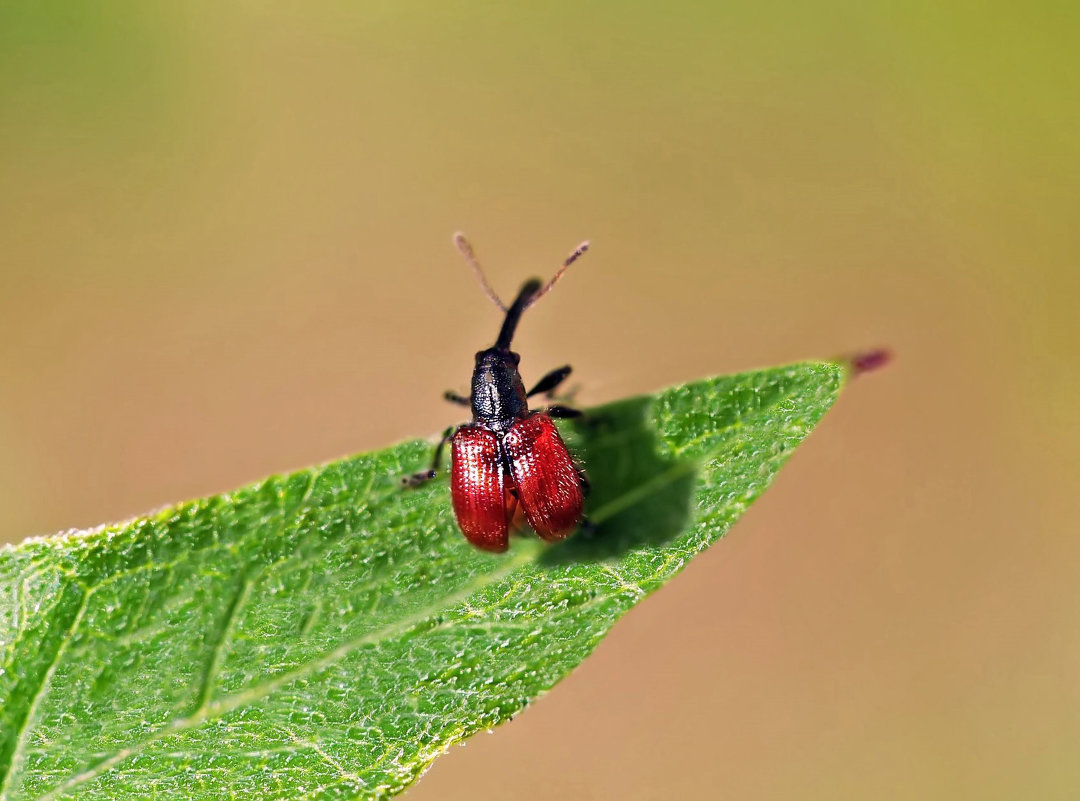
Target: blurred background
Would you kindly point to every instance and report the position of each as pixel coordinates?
(225, 252)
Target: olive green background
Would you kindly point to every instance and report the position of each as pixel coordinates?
(225, 252)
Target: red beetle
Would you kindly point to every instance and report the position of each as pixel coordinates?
(510, 455)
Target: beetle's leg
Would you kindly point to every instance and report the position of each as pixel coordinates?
(453, 397)
(416, 479)
(550, 382)
(560, 411)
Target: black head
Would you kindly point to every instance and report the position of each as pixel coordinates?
(498, 396)
(493, 355)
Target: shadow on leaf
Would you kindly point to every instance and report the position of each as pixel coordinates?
(639, 496)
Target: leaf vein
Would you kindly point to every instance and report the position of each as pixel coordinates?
(222, 641)
(22, 734)
(217, 709)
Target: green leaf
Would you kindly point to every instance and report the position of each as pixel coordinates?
(327, 634)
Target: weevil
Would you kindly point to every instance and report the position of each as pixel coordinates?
(510, 455)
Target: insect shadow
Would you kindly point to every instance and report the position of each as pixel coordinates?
(639, 495)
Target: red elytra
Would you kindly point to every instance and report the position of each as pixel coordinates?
(510, 456)
(531, 466)
(546, 477)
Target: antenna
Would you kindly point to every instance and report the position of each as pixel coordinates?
(579, 251)
(466, 250)
(463, 246)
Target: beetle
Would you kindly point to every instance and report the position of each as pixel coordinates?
(510, 455)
